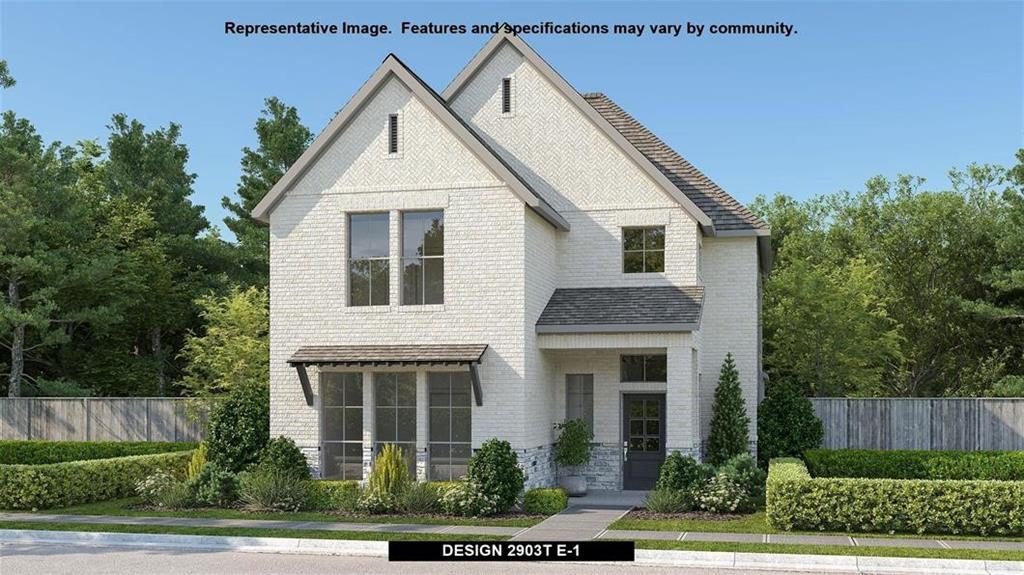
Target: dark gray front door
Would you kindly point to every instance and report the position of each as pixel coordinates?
(643, 441)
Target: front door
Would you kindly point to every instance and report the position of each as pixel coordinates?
(643, 439)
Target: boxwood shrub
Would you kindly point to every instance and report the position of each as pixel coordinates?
(545, 501)
(75, 482)
(330, 495)
(795, 500)
(907, 464)
(35, 452)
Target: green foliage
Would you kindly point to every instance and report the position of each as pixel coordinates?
(724, 495)
(729, 421)
(239, 427)
(176, 495)
(545, 501)
(964, 507)
(272, 490)
(664, 500)
(42, 387)
(234, 349)
(744, 472)
(468, 499)
(281, 454)
(324, 495)
(682, 473)
(573, 447)
(198, 461)
(910, 464)
(495, 468)
(1009, 386)
(32, 452)
(6, 80)
(786, 424)
(421, 498)
(388, 482)
(215, 485)
(75, 482)
(151, 488)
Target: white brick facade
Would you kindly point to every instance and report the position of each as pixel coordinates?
(502, 263)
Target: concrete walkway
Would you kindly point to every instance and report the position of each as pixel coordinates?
(586, 518)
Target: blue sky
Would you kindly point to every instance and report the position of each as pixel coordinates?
(861, 89)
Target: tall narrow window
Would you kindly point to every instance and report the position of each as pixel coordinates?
(341, 423)
(450, 425)
(579, 397)
(393, 133)
(368, 282)
(643, 249)
(422, 258)
(506, 95)
(644, 367)
(394, 397)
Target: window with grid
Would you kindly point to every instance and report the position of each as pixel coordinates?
(368, 268)
(422, 258)
(450, 425)
(652, 367)
(645, 425)
(579, 398)
(341, 422)
(394, 398)
(643, 250)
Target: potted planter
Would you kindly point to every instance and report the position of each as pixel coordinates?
(572, 450)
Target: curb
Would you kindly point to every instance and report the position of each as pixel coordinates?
(706, 559)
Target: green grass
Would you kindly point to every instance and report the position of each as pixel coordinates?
(245, 532)
(122, 507)
(785, 548)
(758, 523)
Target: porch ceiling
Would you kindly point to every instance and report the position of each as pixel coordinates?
(623, 310)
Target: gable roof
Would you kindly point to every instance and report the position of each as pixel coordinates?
(644, 163)
(393, 67)
(727, 214)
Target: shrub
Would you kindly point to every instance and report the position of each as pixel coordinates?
(195, 465)
(682, 473)
(545, 501)
(267, 489)
(467, 499)
(495, 468)
(36, 452)
(443, 486)
(177, 495)
(723, 495)
(729, 421)
(668, 501)
(911, 464)
(786, 424)
(323, 495)
(239, 427)
(573, 447)
(376, 502)
(282, 455)
(390, 474)
(215, 485)
(75, 482)
(151, 488)
(795, 500)
(421, 498)
(743, 471)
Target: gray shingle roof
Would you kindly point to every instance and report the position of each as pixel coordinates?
(725, 212)
(622, 309)
(388, 354)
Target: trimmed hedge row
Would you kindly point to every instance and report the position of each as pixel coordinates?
(795, 500)
(907, 464)
(326, 494)
(75, 482)
(545, 501)
(35, 452)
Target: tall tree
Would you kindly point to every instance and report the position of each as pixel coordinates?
(6, 80)
(281, 140)
(730, 424)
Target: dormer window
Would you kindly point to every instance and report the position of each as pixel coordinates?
(392, 133)
(506, 95)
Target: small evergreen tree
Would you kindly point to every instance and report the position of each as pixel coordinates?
(786, 424)
(729, 421)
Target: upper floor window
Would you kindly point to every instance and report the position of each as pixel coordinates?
(368, 259)
(422, 258)
(643, 249)
(392, 133)
(652, 367)
(506, 95)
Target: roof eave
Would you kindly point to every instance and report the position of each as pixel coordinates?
(665, 327)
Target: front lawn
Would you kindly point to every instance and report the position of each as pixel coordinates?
(129, 508)
(786, 548)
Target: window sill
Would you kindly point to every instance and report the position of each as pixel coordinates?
(644, 274)
(368, 308)
(421, 308)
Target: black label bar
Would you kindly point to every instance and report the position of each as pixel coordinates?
(510, 551)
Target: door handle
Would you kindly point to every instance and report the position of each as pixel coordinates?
(625, 451)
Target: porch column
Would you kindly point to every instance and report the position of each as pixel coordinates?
(681, 418)
(422, 424)
(368, 417)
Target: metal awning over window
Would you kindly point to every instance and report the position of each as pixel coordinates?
(388, 355)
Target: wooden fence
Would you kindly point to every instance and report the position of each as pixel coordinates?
(922, 423)
(101, 419)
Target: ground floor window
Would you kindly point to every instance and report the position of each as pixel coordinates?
(341, 425)
(450, 424)
(579, 397)
(395, 413)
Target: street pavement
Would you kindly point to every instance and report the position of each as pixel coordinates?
(35, 559)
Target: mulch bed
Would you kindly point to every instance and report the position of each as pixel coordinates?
(697, 515)
(438, 516)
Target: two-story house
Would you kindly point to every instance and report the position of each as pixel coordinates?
(486, 262)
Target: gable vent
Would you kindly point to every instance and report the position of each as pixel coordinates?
(506, 95)
(393, 133)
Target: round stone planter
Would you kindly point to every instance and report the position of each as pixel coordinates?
(574, 485)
